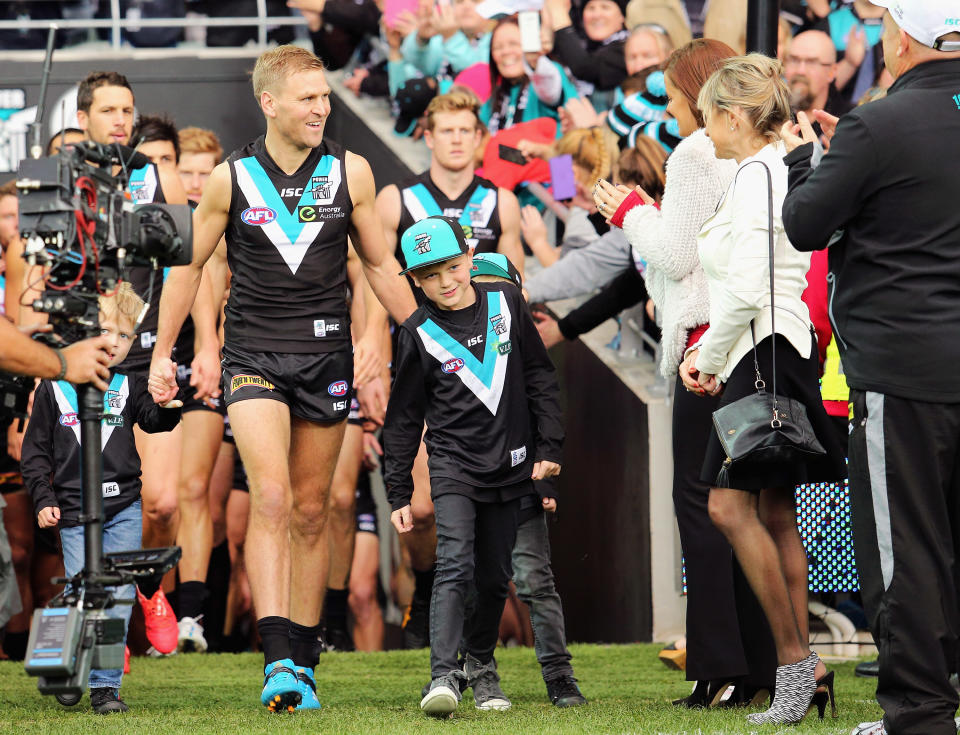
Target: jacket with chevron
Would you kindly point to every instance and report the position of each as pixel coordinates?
(482, 380)
(50, 462)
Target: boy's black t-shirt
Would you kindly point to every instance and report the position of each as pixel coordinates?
(50, 462)
(482, 380)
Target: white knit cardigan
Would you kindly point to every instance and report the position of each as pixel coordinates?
(666, 240)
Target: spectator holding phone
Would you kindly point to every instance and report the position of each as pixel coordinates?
(590, 161)
(524, 86)
(602, 260)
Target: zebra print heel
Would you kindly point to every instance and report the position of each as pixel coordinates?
(796, 685)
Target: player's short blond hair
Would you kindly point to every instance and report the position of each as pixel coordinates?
(201, 140)
(123, 302)
(278, 63)
(458, 99)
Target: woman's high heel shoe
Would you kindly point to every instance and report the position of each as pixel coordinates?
(795, 690)
(824, 694)
(706, 694)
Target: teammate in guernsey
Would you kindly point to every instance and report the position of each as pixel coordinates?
(489, 215)
(471, 365)
(286, 204)
(490, 218)
(105, 110)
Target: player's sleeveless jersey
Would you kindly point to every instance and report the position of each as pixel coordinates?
(287, 250)
(144, 187)
(476, 209)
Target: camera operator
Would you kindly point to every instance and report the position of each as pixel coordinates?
(81, 362)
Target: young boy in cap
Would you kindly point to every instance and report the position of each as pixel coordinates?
(532, 573)
(51, 464)
(471, 364)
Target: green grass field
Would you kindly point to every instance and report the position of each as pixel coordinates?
(628, 688)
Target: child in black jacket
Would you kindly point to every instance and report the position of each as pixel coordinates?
(471, 364)
(51, 457)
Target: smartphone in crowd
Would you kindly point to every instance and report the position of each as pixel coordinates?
(529, 22)
(564, 185)
(513, 155)
(393, 8)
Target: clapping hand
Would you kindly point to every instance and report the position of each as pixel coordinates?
(608, 197)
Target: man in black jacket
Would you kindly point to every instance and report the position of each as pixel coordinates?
(884, 200)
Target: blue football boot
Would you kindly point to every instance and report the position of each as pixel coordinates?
(281, 688)
(308, 689)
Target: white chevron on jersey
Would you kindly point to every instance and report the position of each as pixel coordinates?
(292, 252)
(114, 401)
(489, 395)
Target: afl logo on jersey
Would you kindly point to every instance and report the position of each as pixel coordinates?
(256, 216)
(69, 419)
(339, 388)
(452, 366)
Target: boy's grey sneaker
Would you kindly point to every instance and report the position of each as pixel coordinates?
(443, 697)
(487, 694)
(106, 701)
(564, 692)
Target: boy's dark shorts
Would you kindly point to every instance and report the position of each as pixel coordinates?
(188, 394)
(316, 386)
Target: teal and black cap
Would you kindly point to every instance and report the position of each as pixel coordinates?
(432, 240)
(495, 264)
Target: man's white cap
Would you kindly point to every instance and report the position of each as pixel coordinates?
(926, 20)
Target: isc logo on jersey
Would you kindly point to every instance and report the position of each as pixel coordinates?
(452, 366)
(338, 388)
(256, 216)
(69, 419)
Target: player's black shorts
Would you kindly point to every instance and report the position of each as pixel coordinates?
(316, 387)
(188, 394)
(366, 508)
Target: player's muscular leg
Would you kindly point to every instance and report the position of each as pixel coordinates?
(313, 456)
(342, 523)
(202, 431)
(261, 429)
(421, 542)
(221, 482)
(368, 620)
(159, 458)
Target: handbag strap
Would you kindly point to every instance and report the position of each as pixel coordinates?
(760, 384)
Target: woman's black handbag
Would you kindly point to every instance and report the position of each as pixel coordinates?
(762, 428)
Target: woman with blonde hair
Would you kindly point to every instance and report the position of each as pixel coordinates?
(728, 642)
(745, 104)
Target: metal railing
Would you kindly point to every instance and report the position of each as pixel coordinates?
(116, 23)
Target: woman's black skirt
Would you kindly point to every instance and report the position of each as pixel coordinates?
(797, 378)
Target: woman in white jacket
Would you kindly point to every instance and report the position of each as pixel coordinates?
(745, 104)
(727, 639)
